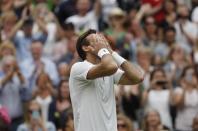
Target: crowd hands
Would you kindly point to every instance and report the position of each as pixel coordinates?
(38, 49)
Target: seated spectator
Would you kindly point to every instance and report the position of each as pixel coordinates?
(152, 121)
(35, 121)
(124, 123)
(59, 108)
(195, 123)
(13, 89)
(44, 94)
(4, 119)
(186, 99)
(31, 68)
(85, 19)
(159, 96)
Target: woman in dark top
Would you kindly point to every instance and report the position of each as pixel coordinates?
(59, 107)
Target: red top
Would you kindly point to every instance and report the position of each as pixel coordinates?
(159, 16)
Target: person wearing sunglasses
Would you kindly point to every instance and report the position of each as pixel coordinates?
(35, 121)
(124, 123)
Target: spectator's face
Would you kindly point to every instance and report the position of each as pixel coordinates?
(117, 20)
(190, 77)
(183, 12)
(42, 81)
(63, 70)
(169, 6)
(27, 30)
(83, 6)
(158, 76)
(170, 37)
(178, 54)
(65, 90)
(8, 24)
(36, 50)
(7, 51)
(150, 25)
(153, 119)
(122, 126)
(8, 66)
(143, 59)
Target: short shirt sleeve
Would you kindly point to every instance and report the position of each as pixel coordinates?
(178, 90)
(79, 70)
(117, 76)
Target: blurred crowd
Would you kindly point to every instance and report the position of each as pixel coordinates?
(37, 50)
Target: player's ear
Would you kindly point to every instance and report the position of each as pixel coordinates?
(87, 48)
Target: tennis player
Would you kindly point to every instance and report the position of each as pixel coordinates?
(92, 82)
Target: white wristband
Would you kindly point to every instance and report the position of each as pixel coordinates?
(103, 52)
(118, 59)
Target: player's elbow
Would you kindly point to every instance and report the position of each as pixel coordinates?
(111, 68)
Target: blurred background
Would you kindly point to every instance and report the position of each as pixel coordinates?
(37, 50)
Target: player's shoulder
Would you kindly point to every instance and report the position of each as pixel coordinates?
(80, 66)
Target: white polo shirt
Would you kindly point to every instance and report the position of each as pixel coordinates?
(93, 101)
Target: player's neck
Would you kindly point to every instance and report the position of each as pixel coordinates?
(92, 59)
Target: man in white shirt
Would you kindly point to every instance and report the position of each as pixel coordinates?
(92, 82)
(85, 19)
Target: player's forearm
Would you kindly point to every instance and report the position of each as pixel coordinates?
(108, 65)
(133, 72)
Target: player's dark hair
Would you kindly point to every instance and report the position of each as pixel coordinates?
(82, 41)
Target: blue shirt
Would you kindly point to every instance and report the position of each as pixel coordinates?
(12, 94)
(28, 69)
(23, 43)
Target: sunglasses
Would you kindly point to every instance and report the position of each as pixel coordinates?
(121, 125)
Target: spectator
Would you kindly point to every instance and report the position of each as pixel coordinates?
(144, 60)
(6, 5)
(24, 39)
(163, 49)
(58, 110)
(186, 31)
(6, 49)
(130, 100)
(159, 96)
(116, 33)
(195, 123)
(152, 121)
(9, 20)
(13, 89)
(124, 123)
(177, 61)
(170, 13)
(186, 99)
(63, 71)
(85, 19)
(31, 68)
(155, 9)
(44, 94)
(35, 120)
